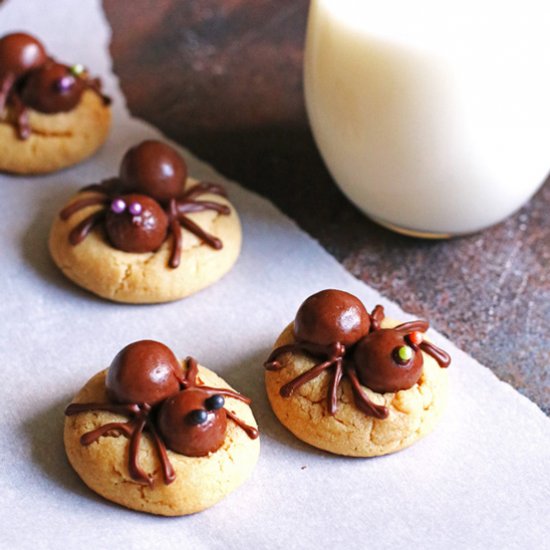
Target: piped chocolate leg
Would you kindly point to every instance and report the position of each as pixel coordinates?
(168, 471)
(185, 207)
(192, 372)
(227, 393)
(74, 207)
(250, 430)
(289, 388)
(376, 317)
(84, 228)
(413, 326)
(117, 408)
(175, 228)
(136, 472)
(442, 357)
(194, 228)
(121, 427)
(272, 363)
(6, 85)
(333, 387)
(202, 188)
(21, 114)
(362, 400)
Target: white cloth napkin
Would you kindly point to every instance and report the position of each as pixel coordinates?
(481, 480)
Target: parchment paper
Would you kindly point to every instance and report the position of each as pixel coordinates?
(481, 480)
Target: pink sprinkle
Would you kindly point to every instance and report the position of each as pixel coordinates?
(118, 206)
(135, 208)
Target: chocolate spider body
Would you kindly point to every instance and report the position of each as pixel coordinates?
(31, 79)
(146, 383)
(147, 202)
(335, 328)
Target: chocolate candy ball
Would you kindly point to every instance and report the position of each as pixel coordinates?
(136, 223)
(143, 372)
(19, 53)
(155, 169)
(386, 363)
(52, 88)
(331, 316)
(189, 425)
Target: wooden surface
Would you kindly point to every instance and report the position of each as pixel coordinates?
(223, 78)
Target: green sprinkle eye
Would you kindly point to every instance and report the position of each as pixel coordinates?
(77, 69)
(403, 354)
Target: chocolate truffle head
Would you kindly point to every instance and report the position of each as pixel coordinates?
(19, 53)
(136, 223)
(331, 316)
(143, 372)
(386, 361)
(155, 169)
(193, 422)
(52, 88)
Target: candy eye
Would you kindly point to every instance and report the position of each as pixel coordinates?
(214, 403)
(135, 208)
(402, 355)
(196, 417)
(415, 338)
(77, 69)
(64, 84)
(118, 206)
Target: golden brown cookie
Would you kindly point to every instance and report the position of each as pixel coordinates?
(354, 383)
(197, 482)
(140, 278)
(56, 140)
(52, 115)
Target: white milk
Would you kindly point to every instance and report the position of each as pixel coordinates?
(432, 115)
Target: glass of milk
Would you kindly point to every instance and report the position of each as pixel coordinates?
(433, 116)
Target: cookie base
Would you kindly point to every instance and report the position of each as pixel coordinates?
(57, 141)
(413, 413)
(200, 482)
(146, 278)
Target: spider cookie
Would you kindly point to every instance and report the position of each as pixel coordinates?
(149, 235)
(157, 436)
(355, 383)
(51, 115)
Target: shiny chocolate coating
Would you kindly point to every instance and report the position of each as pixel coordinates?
(379, 368)
(141, 232)
(188, 427)
(52, 88)
(19, 53)
(331, 316)
(143, 372)
(155, 169)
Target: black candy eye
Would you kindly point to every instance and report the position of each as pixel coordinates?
(214, 403)
(196, 417)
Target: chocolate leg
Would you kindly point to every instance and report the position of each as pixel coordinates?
(83, 229)
(250, 430)
(288, 389)
(136, 472)
(21, 118)
(333, 387)
(121, 427)
(175, 228)
(6, 85)
(74, 207)
(194, 228)
(167, 469)
(202, 188)
(442, 357)
(272, 363)
(185, 207)
(362, 399)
